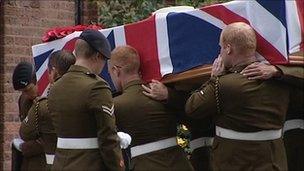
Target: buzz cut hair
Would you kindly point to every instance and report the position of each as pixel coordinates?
(83, 49)
(241, 36)
(127, 58)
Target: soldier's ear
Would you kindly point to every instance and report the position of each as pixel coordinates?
(228, 49)
(118, 73)
(56, 73)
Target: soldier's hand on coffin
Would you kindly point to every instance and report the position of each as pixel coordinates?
(217, 67)
(260, 70)
(156, 90)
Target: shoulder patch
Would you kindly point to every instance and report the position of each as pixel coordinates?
(108, 110)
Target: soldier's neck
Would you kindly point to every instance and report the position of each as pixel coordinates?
(242, 60)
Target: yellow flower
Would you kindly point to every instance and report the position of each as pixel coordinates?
(184, 127)
(181, 142)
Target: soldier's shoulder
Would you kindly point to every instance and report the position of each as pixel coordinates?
(84, 75)
(119, 99)
(95, 78)
(91, 75)
(232, 76)
(124, 100)
(238, 82)
(100, 83)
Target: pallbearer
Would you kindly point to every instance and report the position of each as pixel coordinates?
(82, 109)
(150, 123)
(248, 115)
(32, 153)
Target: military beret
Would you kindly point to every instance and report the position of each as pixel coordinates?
(97, 41)
(23, 75)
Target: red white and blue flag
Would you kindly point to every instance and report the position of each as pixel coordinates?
(175, 42)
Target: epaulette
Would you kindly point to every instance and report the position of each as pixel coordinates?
(40, 98)
(90, 74)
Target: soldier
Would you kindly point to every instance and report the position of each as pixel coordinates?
(294, 125)
(201, 130)
(24, 80)
(247, 114)
(151, 125)
(38, 123)
(82, 109)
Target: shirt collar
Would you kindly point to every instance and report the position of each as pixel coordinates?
(238, 68)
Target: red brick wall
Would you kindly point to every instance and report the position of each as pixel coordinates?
(1, 84)
(22, 25)
(89, 12)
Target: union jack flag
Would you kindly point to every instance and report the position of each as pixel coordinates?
(174, 42)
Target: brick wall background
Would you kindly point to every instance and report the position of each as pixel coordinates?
(22, 24)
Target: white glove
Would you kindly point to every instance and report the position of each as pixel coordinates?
(17, 143)
(125, 139)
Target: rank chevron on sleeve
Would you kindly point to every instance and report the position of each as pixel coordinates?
(108, 110)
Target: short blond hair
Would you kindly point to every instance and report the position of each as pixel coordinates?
(127, 58)
(241, 36)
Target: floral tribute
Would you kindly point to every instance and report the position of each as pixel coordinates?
(60, 32)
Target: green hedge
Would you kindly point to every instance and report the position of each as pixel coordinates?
(118, 12)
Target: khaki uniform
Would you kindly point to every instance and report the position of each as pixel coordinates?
(294, 137)
(24, 104)
(149, 121)
(246, 106)
(81, 107)
(20, 160)
(199, 128)
(37, 127)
